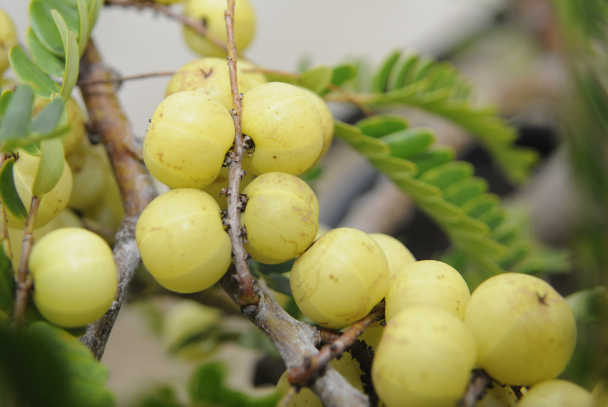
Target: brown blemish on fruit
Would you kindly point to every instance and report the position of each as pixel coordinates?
(542, 298)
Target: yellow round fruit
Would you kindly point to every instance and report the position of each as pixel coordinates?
(498, 396)
(427, 282)
(209, 76)
(600, 394)
(556, 393)
(8, 38)
(75, 118)
(525, 330)
(74, 276)
(327, 119)
(397, 255)
(52, 203)
(285, 126)
(182, 241)
(254, 78)
(221, 182)
(424, 359)
(88, 174)
(340, 278)
(281, 217)
(211, 14)
(187, 140)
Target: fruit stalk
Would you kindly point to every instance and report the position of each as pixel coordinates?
(235, 158)
(136, 189)
(198, 27)
(23, 283)
(476, 388)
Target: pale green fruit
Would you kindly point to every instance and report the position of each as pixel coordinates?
(187, 140)
(282, 217)
(556, 393)
(74, 276)
(424, 359)
(340, 278)
(75, 118)
(182, 241)
(221, 182)
(209, 76)
(109, 210)
(285, 126)
(397, 255)
(254, 78)
(211, 13)
(88, 174)
(327, 119)
(8, 38)
(51, 204)
(498, 396)
(600, 395)
(525, 330)
(186, 320)
(427, 282)
(373, 334)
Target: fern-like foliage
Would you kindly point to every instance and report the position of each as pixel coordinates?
(583, 21)
(437, 88)
(486, 240)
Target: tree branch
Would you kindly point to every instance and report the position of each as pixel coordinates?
(476, 388)
(121, 79)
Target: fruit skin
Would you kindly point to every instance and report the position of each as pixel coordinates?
(424, 359)
(211, 77)
(75, 118)
(282, 217)
(254, 78)
(187, 140)
(427, 282)
(74, 276)
(182, 241)
(397, 255)
(221, 182)
(498, 396)
(212, 13)
(88, 177)
(525, 330)
(327, 119)
(8, 38)
(285, 126)
(52, 203)
(556, 393)
(340, 278)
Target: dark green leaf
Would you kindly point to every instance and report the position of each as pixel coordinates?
(430, 159)
(316, 79)
(279, 283)
(72, 66)
(343, 73)
(46, 60)
(493, 218)
(403, 73)
(163, 396)
(29, 73)
(8, 192)
(7, 283)
(410, 142)
(465, 190)
(69, 12)
(16, 118)
(50, 167)
(382, 125)
(480, 205)
(44, 27)
(311, 174)
(448, 174)
(380, 78)
(5, 99)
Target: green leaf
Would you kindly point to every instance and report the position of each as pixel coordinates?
(72, 66)
(7, 283)
(316, 79)
(343, 73)
(162, 396)
(404, 72)
(8, 192)
(68, 10)
(465, 190)
(410, 142)
(94, 9)
(49, 117)
(16, 118)
(46, 60)
(380, 78)
(83, 26)
(5, 99)
(279, 283)
(27, 72)
(478, 206)
(392, 165)
(446, 175)
(280, 77)
(429, 159)
(381, 125)
(50, 167)
(44, 27)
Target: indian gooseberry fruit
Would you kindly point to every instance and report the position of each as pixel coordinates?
(108, 210)
(74, 276)
(8, 38)
(327, 119)
(88, 177)
(221, 182)
(182, 241)
(397, 255)
(211, 14)
(211, 77)
(51, 204)
(525, 330)
(424, 359)
(187, 140)
(427, 282)
(282, 217)
(556, 393)
(285, 127)
(498, 395)
(340, 278)
(254, 78)
(75, 118)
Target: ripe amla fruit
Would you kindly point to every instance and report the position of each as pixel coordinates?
(209, 76)
(51, 204)
(8, 38)
(221, 182)
(556, 393)
(187, 140)
(211, 14)
(254, 78)
(498, 396)
(281, 217)
(427, 282)
(424, 359)
(525, 330)
(327, 119)
(74, 276)
(340, 278)
(182, 241)
(285, 126)
(74, 117)
(87, 163)
(397, 255)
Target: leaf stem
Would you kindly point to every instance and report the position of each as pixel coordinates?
(121, 79)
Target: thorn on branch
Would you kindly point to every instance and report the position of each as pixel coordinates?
(233, 112)
(226, 223)
(224, 191)
(243, 174)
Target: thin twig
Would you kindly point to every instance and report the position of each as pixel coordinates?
(289, 396)
(235, 202)
(190, 22)
(301, 375)
(476, 388)
(121, 79)
(23, 282)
